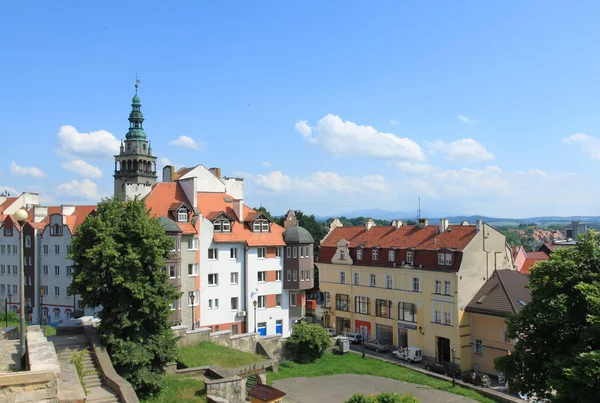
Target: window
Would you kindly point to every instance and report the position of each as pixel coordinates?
(69, 271)
(2, 289)
(447, 287)
(45, 248)
(356, 279)
(504, 338)
(383, 308)
(14, 269)
(68, 249)
(361, 305)
(262, 276)
(213, 254)
(260, 226)
(57, 270)
(342, 254)
(56, 313)
(295, 254)
(437, 317)
(45, 288)
(295, 275)
(407, 312)
(233, 278)
(375, 254)
(288, 252)
(438, 287)
(389, 281)
(196, 299)
(14, 248)
(233, 254)
(440, 258)
(193, 243)
(342, 302)
(217, 226)
(213, 279)
(478, 346)
(172, 271)
(416, 284)
(264, 226)
(222, 226)
(15, 289)
(342, 277)
(262, 301)
(210, 304)
(447, 318)
(2, 269)
(2, 249)
(373, 280)
(192, 269)
(56, 229)
(391, 255)
(261, 252)
(8, 231)
(234, 303)
(216, 305)
(226, 226)
(293, 299)
(302, 252)
(278, 251)
(277, 275)
(278, 300)
(182, 215)
(359, 254)
(174, 304)
(57, 249)
(45, 270)
(289, 275)
(56, 290)
(448, 259)
(409, 256)
(28, 241)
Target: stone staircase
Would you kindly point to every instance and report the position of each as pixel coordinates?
(96, 391)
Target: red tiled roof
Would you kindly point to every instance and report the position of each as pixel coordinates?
(427, 238)
(211, 204)
(265, 393)
(164, 195)
(182, 172)
(532, 259)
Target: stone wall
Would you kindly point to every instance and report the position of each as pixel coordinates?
(223, 384)
(10, 333)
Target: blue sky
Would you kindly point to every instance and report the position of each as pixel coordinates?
(476, 107)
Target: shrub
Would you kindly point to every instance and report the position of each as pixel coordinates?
(359, 398)
(308, 342)
(12, 317)
(383, 397)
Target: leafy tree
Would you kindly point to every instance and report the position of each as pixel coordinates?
(383, 397)
(118, 263)
(308, 342)
(359, 398)
(266, 212)
(558, 332)
(310, 223)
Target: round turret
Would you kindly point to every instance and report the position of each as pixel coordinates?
(297, 235)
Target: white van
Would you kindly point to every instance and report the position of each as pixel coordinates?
(409, 354)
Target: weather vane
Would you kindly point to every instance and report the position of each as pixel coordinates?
(137, 81)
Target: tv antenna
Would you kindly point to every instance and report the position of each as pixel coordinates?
(419, 210)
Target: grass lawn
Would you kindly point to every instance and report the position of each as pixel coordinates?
(180, 389)
(207, 353)
(332, 364)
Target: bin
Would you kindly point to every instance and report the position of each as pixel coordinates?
(344, 346)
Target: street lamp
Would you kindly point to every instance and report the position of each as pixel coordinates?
(21, 215)
(41, 304)
(192, 297)
(6, 304)
(254, 303)
(453, 370)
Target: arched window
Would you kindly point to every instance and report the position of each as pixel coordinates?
(28, 241)
(44, 312)
(56, 312)
(68, 313)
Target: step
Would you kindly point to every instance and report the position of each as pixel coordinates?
(104, 400)
(101, 394)
(92, 383)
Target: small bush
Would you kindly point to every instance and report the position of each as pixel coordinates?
(308, 342)
(12, 317)
(383, 397)
(359, 398)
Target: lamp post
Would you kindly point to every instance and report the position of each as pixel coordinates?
(7, 303)
(192, 297)
(453, 370)
(254, 303)
(41, 304)
(21, 215)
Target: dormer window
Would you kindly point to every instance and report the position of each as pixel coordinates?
(261, 225)
(56, 229)
(182, 215)
(375, 254)
(222, 226)
(8, 231)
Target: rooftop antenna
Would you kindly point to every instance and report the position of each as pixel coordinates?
(137, 82)
(419, 210)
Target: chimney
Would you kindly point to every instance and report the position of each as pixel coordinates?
(397, 223)
(238, 208)
(370, 223)
(423, 222)
(443, 224)
(39, 213)
(478, 225)
(66, 210)
(216, 172)
(168, 173)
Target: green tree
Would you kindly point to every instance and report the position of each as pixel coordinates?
(276, 220)
(310, 223)
(118, 263)
(308, 342)
(558, 331)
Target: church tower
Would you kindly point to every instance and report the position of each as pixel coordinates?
(135, 166)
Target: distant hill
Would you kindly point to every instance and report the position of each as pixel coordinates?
(457, 219)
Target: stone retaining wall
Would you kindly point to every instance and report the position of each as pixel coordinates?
(10, 333)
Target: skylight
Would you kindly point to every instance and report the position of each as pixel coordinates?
(522, 302)
(227, 199)
(481, 299)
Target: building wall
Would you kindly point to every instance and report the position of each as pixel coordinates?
(206, 182)
(488, 329)
(188, 282)
(9, 237)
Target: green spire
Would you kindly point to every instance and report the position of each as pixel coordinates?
(136, 118)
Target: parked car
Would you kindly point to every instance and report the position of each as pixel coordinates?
(376, 345)
(355, 338)
(443, 368)
(409, 354)
(331, 331)
(477, 378)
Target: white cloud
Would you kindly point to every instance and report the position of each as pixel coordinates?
(98, 144)
(588, 144)
(463, 150)
(321, 182)
(266, 164)
(26, 171)
(85, 188)
(465, 119)
(188, 142)
(394, 122)
(82, 168)
(346, 138)
(413, 168)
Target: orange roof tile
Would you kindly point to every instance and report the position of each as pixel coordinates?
(427, 238)
(160, 199)
(532, 259)
(210, 204)
(181, 172)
